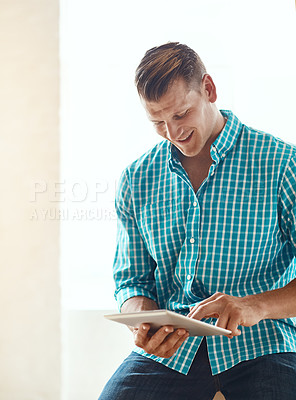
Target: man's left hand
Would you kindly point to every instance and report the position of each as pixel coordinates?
(230, 311)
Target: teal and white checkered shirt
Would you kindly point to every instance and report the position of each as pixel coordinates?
(236, 235)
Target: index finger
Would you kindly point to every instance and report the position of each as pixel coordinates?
(208, 310)
(199, 304)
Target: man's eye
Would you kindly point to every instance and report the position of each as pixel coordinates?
(159, 123)
(181, 116)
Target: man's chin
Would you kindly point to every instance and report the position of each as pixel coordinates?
(188, 153)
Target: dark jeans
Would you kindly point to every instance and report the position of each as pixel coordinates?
(270, 377)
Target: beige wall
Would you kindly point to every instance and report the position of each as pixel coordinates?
(29, 142)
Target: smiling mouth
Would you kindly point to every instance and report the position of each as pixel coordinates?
(186, 139)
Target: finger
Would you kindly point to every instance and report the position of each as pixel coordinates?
(172, 342)
(222, 322)
(157, 340)
(172, 339)
(161, 334)
(178, 343)
(178, 339)
(194, 308)
(206, 310)
(232, 325)
(210, 299)
(141, 335)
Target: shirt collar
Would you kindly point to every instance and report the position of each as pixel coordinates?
(224, 142)
(227, 137)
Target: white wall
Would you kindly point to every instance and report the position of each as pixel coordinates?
(30, 336)
(94, 348)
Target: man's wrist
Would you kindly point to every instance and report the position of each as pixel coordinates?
(138, 303)
(262, 304)
(275, 304)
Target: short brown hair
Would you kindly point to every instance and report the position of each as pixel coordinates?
(162, 65)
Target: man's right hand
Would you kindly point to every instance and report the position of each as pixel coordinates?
(163, 343)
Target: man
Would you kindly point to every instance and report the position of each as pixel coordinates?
(206, 227)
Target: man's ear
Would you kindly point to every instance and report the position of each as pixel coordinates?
(209, 88)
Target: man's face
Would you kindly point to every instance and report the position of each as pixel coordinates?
(186, 117)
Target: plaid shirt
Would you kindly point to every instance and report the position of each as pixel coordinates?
(235, 235)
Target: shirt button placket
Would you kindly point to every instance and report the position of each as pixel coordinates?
(193, 218)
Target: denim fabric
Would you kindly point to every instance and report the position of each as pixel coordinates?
(270, 377)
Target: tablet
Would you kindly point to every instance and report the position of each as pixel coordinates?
(158, 318)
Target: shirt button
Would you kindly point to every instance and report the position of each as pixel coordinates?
(194, 203)
(192, 240)
(188, 277)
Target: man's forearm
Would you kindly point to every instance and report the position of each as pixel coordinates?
(138, 303)
(279, 303)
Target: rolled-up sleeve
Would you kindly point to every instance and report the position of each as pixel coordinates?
(287, 220)
(133, 267)
(288, 204)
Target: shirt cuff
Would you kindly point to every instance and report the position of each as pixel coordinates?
(126, 293)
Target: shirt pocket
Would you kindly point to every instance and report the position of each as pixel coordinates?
(247, 194)
(250, 208)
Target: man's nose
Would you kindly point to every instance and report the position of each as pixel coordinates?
(173, 130)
